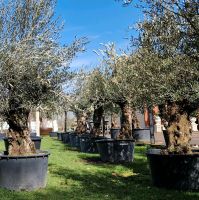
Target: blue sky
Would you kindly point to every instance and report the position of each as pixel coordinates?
(101, 21)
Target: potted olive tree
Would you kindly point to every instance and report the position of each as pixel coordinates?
(33, 68)
(85, 105)
(119, 149)
(167, 75)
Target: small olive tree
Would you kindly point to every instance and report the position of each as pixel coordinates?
(78, 101)
(33, 66)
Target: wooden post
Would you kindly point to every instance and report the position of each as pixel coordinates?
(103, 125)
(37, 123)
(65, 121)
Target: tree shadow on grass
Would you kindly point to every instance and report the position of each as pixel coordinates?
(107, 185)
(67, 147)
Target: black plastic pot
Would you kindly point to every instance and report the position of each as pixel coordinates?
(142, 136)
(74, 140)
(33, 134)
(2, 136)
(166, 137)
(65, 137)
(174, 171)
(114, 132)
(53, 134)
(116, 151)
(35, 139)
(87, 144)
(59, 136)
(24, 172)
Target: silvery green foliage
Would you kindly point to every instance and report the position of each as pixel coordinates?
(33, 66)
(78, 97)
(169, 51)
(165, 65)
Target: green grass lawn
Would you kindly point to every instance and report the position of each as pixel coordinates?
(75, 175)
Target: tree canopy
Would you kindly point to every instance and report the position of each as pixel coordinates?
(33, 65)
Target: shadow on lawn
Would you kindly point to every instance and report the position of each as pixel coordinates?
(107, 185)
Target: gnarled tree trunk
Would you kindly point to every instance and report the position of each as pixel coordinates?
(126, 120)
(114, 123)
(97, 118)
(178, 127)
(81, 123)
(19, 140)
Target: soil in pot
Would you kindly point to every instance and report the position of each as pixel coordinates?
(116, 151)
(174, 171)
(35, 139)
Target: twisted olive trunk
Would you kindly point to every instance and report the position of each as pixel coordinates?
(114, 123)
(178, 128)
(81, 123)
(19, 141)
(97, 118)
(126, 113)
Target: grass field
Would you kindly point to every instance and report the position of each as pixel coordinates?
(75, 175)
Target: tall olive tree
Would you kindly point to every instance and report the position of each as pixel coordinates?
(121, 86)
(33, 66)
(168, 65)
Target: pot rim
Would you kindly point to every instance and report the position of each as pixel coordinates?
(141, 129)
(39, 153)
(156, 152)
(114, 140)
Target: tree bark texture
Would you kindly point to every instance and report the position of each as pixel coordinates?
(114, 122)
(97, 118)
(19, 141)
(178, 128)
(81, 123)
(126, 120)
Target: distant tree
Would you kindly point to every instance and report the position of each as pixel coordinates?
(78, 101)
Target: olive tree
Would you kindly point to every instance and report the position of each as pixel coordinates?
(78, 101)
(33, 66)
(95, 89)
(168, 69)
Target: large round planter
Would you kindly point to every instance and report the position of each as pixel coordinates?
(74, 140)
(33, 134)
(174, 171)
(2, 136)
(53, 134)
(114, 132)
(142, 136)
(116, 151)
(59, 136)
(24, 172)
(65, 137)
(85, 144)
(88, 143)
(35, 139)
(166, 137)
